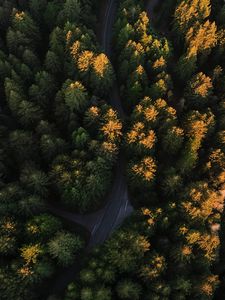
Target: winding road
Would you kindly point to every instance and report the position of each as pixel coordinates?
(117, 205)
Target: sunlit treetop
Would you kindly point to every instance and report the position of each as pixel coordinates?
(85, 61)
(20, 16)
(31, 253)
(112, 126)
(145, 169)
(190, 11)
(142, 24)
(200, 86)
(201, 38)
(76, 96)
(100, 64)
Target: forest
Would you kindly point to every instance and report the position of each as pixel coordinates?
(112, 150)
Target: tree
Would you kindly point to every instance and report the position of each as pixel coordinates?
(72, 292)
(125, 250)
(111, 127)
(8, 238)
(200, 202)
(86, 294)
(51, 146)
(215, 167)
(53, 63)
(186, 67)
(198, 90)
(43, 90)
(140, 139)
(103, 293)
(171, 182)
(22, 145)
(28, 113)
(72, 11)
(102, 75)
(189, 12)
(31, 253)
(34, 181)
(84, 63)
(154, 268)
(143, 171)
(80, 138)
(127, 289)
(76, 97)
(201, 39)
(173, 140)
(64, 246)
(87, 276)
(37, 9)
(43, 226)
(30, 205)
(23, 23)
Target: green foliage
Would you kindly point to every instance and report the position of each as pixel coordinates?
(64, 246)
(76, 97)
(34, 181)
(42, 226)
(128, 290)
(59, 142)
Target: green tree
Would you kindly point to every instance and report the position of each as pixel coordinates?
(72, 11)
(87, 276)
(103, 293)
(64, 247)
(43, 90)
(76, 97)
(43, 226)
(86, 294)
(23, 23)
(80, 138)
(173, 140)
(51, 146)
(34, 180)
(22, 145)
(127, 289)
(125, 250)
(30, 205)
(53, 63)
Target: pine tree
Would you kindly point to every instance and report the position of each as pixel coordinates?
(64, 246)
(76, 97)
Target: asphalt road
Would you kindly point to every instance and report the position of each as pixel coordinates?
(117, 205)
(150, 7)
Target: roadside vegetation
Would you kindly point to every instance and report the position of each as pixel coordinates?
(60, 141)
(59, 137)
(171, 88)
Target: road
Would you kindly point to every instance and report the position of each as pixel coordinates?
(103, 222)
(117, 205)
(106, 37)
(150, 7)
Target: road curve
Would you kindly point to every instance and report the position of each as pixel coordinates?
(117, 205)
(103, 222)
